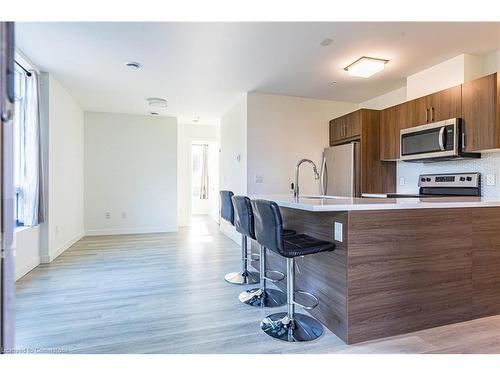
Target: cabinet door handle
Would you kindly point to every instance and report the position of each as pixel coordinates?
(427, 115)
(432, 114)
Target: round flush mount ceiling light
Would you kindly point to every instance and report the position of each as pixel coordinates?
(326, 42)
(157, 102)
(133, 65)
(154, 113)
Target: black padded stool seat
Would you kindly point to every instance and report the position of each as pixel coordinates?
(301, 244)
(287, 326)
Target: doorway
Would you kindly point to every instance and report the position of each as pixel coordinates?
(204, 179)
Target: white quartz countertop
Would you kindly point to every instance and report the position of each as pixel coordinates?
(310, 203)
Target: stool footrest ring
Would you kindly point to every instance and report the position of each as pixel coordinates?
(310, 295)
(280, 277)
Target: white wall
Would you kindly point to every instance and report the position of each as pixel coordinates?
(281, 131)
(186, 134)
(491, 63)
(130, 173)
(449, 73)
(27, 250)
(65, 171)
(389, 99)
(233, 155)
(62, 157)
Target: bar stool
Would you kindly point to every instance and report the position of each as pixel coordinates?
(244, 224)
(288, 326)
(227, 213)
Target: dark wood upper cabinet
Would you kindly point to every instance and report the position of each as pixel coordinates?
(441, 105)
(363, 125)
(480, 115)
(445, 104)
(345, 128)
(392, 120)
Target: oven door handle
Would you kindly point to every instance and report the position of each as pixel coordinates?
(441, 138)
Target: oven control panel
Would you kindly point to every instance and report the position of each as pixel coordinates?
(450, 180)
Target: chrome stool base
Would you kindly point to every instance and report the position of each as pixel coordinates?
(302, 328)
(242, 278)
(263, 298)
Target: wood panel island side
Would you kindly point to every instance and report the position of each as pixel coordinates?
(401, 265)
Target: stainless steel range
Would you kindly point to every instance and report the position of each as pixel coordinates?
(441, 185)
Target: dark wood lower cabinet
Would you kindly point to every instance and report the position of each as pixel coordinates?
(399, 271)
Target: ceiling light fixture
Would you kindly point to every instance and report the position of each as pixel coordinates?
(154, 113)
(133, 65)
(326, 42)
(366, 67)
(157, 102)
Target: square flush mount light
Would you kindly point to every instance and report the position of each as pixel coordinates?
(365, 67)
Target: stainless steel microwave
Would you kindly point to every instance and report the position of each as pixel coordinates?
(437, 141)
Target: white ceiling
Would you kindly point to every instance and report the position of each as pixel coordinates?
(201, 68)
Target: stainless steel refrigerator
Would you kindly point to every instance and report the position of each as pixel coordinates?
(340, 171)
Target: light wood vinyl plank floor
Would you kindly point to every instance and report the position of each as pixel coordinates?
(165, 293)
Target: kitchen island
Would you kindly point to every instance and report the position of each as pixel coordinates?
(400, 265)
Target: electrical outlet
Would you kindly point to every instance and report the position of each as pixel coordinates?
(337, 233)
(490, 179)
(107, 215)
(259, 179)
(402, 181)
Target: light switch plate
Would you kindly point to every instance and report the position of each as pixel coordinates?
(337, 234)
(402, 181)
(259, 179)
(490, 179)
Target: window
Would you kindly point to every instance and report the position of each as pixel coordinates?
(27, 171)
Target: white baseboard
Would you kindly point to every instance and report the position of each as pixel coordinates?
(27, 267)
(54, 254)
(145, 230)
(229, 231)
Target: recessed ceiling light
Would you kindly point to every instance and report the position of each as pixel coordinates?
(326, 42)
(133, 65)
(157, 102)
(366, 67)
(154, 113)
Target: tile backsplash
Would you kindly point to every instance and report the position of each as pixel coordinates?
(488, 164)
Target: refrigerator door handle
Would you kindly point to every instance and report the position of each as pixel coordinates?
(323, 180)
